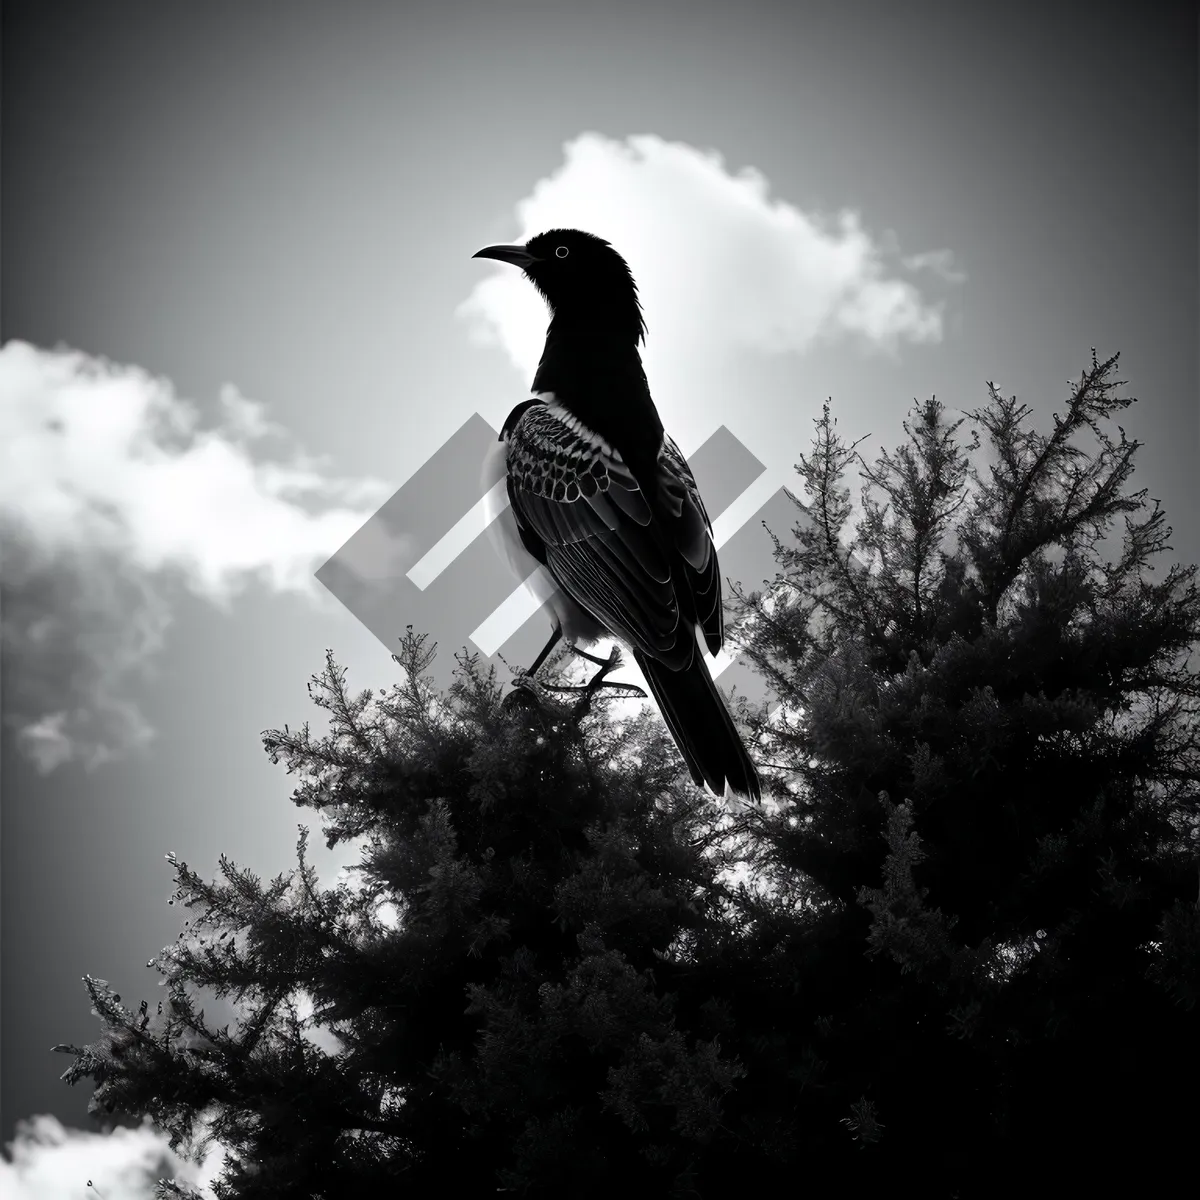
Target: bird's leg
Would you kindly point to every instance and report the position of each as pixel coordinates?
(527, 679)
(545, 654)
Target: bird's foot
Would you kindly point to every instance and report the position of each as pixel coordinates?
(597, 681)
(628, 689)
(606, 664)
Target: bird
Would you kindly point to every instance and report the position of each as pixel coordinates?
(608, 519)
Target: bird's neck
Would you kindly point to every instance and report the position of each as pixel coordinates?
(597, 375)
(601, 320)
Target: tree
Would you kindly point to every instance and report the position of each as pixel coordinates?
(959, 946)
(991, 745)
(514, 1024)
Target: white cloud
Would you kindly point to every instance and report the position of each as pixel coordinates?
(940, 262)
(712, 251)
(50, 1162)
(112, 490)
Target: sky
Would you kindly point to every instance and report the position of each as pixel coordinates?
(239, 313)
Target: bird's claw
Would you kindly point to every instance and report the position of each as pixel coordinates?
(631, 689)
(607, 666)
(525, 682)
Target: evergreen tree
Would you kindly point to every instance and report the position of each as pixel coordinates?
(991, 760)
(958, 950)
(515, 1024)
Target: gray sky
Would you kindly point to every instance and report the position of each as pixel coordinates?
(276, 213)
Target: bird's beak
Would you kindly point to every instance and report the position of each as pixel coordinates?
(517, 255)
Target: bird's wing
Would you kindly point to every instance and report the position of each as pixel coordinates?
(622, 554)
(692, 534)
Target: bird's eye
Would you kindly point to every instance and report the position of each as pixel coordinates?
(561, 252)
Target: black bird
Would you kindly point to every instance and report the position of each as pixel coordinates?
(604, 501)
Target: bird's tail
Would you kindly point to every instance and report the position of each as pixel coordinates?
(695, 713)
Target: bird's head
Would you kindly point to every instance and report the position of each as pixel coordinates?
(586, 283)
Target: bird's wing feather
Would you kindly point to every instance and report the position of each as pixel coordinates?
(692, 531)
(609, 544)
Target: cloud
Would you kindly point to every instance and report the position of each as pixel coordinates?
(712, 251)
(51, 1162)
(940, 262)
(114, 492)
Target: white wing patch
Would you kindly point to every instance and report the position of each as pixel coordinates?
(576, 426)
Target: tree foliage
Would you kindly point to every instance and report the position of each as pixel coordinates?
(959, 946)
